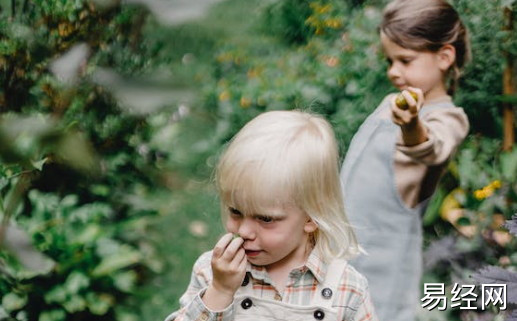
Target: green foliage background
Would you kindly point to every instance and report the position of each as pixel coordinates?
(106, 158)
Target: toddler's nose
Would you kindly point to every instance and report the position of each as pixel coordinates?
(247, 229)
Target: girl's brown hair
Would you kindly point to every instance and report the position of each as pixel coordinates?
(428, 25)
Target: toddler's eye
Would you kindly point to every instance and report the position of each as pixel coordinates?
(265, 219)
(234, 211)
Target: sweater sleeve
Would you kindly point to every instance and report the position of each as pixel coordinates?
(446, 129)
(192, 307)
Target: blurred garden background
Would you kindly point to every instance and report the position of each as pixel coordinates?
(112, 114)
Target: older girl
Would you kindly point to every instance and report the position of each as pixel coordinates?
(398, 155)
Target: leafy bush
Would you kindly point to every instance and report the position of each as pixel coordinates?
(77, 160)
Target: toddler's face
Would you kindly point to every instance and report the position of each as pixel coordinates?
(410, 68)
(276, 237)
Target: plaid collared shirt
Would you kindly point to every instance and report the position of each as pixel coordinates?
(352, 300)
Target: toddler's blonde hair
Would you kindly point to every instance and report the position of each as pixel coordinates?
(288, 157)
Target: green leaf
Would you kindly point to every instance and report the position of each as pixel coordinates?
(88, 235)
(39, 164)
(100, 190)
(69, 201)
(7, 47)
(463, 221)
(99, 304)
(75, 282)
(52, 315)
(432, 213)
(125, 281)
(76, 303)
(511, 99)
(13, 301)
(124, 258)
(57, 294)
(509, 165)
(19, 243)
(76, 151)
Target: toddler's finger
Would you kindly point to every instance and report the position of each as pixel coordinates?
(243, 262)
(222, 244)
(239, 256)
(232, 248)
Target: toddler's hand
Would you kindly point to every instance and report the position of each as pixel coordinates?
(409, 116)
(228, 265)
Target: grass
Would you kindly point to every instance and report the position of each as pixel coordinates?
(190, 223)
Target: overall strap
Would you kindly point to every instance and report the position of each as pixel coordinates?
(246, 287)
(326, 292)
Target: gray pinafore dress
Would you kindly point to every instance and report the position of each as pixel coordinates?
(251, 308)
(389, 231)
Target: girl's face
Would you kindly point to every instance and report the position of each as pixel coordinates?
(275, 238)
(420, 69)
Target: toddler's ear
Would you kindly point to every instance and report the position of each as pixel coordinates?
(446, 57)
(310, 226)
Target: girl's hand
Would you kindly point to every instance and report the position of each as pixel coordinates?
(413, 131)
(229, 269)
(409, 116)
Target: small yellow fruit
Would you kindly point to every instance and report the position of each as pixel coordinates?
(401, 102)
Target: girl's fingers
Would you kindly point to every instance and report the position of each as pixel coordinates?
(412, 104)
(221, 245)
(418, 102)
(403, 117)
(395, 114)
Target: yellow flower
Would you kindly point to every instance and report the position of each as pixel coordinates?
(224, 57)
(224, 96)
(245, 102)
(319, 8)
(333, 23)
(496, 184)
(252, 73)
(488, 190)
(479, 194)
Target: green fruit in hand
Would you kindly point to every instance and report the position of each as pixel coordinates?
(235, 235)
(401, 102)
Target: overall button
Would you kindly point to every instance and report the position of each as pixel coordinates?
(204, 316)
(246, 303)
(246, 280)
(326, 293)
(319, 315)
